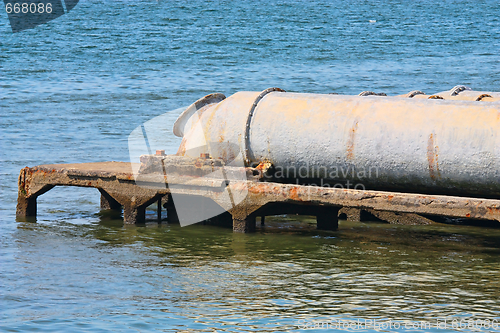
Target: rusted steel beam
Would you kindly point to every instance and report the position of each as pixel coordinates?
(260, 194)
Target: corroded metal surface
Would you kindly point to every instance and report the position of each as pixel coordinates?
(418, 145)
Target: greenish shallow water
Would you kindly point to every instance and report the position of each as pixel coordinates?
(72, 90)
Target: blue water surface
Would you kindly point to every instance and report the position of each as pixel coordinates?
(73, 89)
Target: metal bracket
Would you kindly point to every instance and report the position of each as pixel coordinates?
(414, 93)
(371, 93)
(480, 98)
(458, 89)
(246, 153)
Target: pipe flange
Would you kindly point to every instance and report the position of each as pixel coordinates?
(458, 89)
(480, 98)
(246, 152)
(371, 93)
(414, 93)
(192, 109)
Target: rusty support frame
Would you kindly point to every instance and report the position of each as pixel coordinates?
(117, 186)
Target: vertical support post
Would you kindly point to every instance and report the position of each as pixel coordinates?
(108, 202)
(26, 206)
(172, 214)
(134, 215)
(327, 218)
(159, 210)
(262, 220)
(26, 199)
(244, 225)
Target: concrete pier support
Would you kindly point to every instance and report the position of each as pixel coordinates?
(26, 206)
(351, 214)
(244, 225)
(134, 207)
(118, 188)
(134, 215)
(108, 203)
(327, 218)
(26, 196)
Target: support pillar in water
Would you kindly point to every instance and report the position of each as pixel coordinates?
(108, 203)
(244, 225)
(327, 218)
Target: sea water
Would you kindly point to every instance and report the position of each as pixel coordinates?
(73, 89)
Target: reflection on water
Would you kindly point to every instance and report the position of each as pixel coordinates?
(209, 277)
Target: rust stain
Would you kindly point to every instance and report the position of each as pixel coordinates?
(23, 182)
(206, 121)
(432, 157)
(258, 189)
(182, 148)
(350, 141)
(222, 131)
(294, 194)
(264, 166)
(467, 215)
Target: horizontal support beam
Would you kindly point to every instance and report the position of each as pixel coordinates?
(116, 179)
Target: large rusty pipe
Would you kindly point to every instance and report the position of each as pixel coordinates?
(406, 144)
